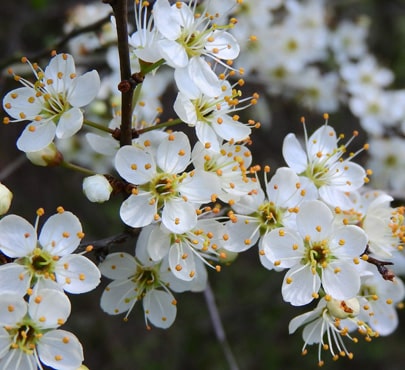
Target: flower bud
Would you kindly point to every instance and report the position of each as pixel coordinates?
(97, 188)
(48, 156)
(343, 309)
(5, 199)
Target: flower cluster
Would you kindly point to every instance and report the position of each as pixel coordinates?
(40, 269)
(191, 197)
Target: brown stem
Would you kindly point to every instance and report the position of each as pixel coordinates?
(386, 273)
(126, 86)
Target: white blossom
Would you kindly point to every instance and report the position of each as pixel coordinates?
(45, 261)
(52, 103)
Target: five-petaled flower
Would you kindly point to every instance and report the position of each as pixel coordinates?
(45, 261)
(317, 252)
(29, 337)
(52, 103)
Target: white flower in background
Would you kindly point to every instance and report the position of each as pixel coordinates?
(256, 214)
(52, 103)
(5, 199)
(187, 38)
(228, 166)
(372, 107)
(214, 119)
(364, 75)
(380, 299)
(318, 252)
(387, 161)
(29, 336)
(328, 324)
(189, 251)
(45, 261)
(321, 163)
(163, 190)
(348, 41)
(317, 91)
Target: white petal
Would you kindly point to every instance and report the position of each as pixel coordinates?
(229, 129)
(187, 88)
(165, 20)
(173, 53)
(242, 235)
(119, 296)
(60, 63)
(77, 274)
(181, 261)
(160, 308)
(135, 165)
(303, 285)
(16, 359)
(286, 248)
(204, 77)
(14, 278)
(69, 123)
(335, 198)
(341, 280)
(173, 153)
(158, 244)
(227, 46)
(282, 188)
(5, 342)
(185, 109)
(118, 265)
(207, 135)
(17, 236)
(348, 176)
(34, 140)
(85, 88)
(137, 210)
(323, 140)
(20, 104)
(61, 350)
(12, 308)
(103, 144)
(315, 220)
(60, 234)
(355, 242)
(49, 308)
(179, 216)
(293, 154)
(314, 331)
(200, 187)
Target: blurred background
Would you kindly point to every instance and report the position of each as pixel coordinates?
(248, 296)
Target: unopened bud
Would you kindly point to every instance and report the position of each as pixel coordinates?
(97, 188)
(48, 156)
(5, 199)
(343, 309)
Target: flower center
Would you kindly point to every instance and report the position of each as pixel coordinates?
(25, 336)
(40, 263)
(146, 278)
(270, 217)
(317, 254)
(164, 186)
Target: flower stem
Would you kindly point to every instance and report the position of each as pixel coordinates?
(98, 126)
(120, 9)
(218, 328)
(77, 168)
(170, 123)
